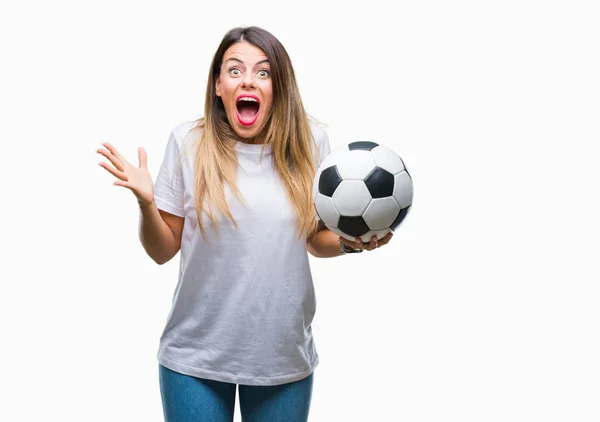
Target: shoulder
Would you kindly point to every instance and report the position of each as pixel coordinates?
(186, 133)
(321, 139)
(182, 130)
(318, 131)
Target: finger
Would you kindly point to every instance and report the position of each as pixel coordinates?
(114, 160)
(373, 242)
(143, 158)
(359, 243)
(114, 151)
(364, 245)
(386, 239)
(118, 174)
(351, 244)
(123, 183)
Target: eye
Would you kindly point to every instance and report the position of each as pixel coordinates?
(264, 73)
(234, 71)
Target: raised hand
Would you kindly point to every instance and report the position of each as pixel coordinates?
(136, 179)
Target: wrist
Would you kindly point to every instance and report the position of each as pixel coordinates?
(144, 206)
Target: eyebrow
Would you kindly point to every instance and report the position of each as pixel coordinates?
(241, 62)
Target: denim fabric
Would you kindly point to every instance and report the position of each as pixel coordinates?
(191, 399)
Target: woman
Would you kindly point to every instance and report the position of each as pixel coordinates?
(234, 194)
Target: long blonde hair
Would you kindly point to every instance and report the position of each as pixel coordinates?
(287, 129)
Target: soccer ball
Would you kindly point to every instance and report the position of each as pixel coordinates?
(362, 190)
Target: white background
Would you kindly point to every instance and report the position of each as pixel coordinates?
(485, 305)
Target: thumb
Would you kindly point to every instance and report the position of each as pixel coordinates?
(143, 158)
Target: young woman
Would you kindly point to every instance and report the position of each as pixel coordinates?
(234, 195)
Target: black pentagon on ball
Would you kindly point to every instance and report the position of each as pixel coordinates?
(400, 217)
(329, 180)
(363, 145)
(380, 183)
(354, 226)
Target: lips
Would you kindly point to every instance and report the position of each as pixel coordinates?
(247, 107)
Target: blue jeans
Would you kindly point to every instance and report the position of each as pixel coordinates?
(190, 399)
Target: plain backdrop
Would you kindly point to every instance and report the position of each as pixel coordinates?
(484, 307)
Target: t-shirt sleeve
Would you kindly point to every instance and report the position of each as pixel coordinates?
(169, 188)
(324, 147)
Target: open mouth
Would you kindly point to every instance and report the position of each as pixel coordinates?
(247, 107)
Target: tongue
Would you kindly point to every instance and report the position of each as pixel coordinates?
(247, 110)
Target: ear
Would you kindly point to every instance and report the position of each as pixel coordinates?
(218, 86)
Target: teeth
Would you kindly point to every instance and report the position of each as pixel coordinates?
(248, 99)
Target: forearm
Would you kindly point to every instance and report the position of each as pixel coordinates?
(324, 244)
(157, 238)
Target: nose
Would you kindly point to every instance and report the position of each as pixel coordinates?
(248, 81)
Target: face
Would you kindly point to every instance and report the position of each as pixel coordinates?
(245, 87)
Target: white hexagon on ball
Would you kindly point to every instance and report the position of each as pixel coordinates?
(326, 210)
(387, 159)
(351, 198)
(381, 213)
(403, 189)
(355, 165)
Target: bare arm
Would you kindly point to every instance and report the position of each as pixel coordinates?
(160, 233)
(324, 243)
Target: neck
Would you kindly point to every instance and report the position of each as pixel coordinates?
(256, 139)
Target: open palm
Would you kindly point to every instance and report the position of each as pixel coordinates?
(136, 179)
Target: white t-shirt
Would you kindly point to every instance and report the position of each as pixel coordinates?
(244, 303)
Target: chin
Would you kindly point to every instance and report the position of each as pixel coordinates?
(247, 132)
